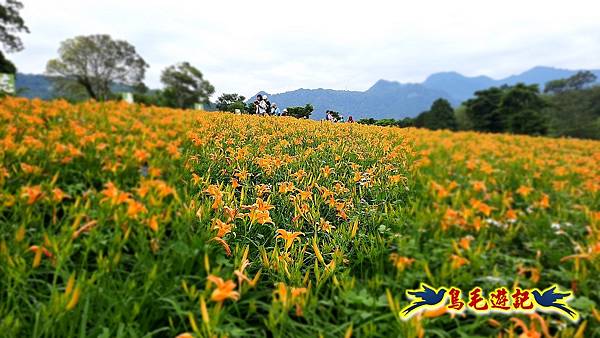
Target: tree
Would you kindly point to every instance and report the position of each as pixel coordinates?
(185, 86)
(575, 113)
(517, 109)
(11, 23)
(556, 86)
(6, 66)
(521, 106)
(581, 79)
(300, 112)
(368, 121)
(483, 110)
(440, 116)
(576, 82)
(462, 120)
(95, 62)
(231, 102)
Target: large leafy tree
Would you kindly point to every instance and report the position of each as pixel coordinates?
(517, 109)
(483, 110)
(11, 23)
(96, 62)
(522, 106)
(231, 102)
(575, 113)
(440, 116)
(576, 82)
(300, 112)
(185, 85)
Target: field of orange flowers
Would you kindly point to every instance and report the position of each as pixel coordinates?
(120, 220)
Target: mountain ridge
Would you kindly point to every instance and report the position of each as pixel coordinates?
(394, 99)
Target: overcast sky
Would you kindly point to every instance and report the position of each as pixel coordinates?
(247, 46)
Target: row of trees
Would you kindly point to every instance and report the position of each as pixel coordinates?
(97, 66)
(568, 107)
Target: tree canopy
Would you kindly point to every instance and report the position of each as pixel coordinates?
(231, 102)
(516, 109)
(300, 112)
(11, 23)
(95, 62)
(185, 85)
(575, 82)
(439, 116)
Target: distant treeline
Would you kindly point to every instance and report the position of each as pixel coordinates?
(567, 108)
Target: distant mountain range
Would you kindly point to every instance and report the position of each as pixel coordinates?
(385, 99)
(33, 85)
(391, 99)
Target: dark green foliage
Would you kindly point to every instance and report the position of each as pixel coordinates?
(231, 102)
(6, 66)
(483, 110)
(300, 112)
(68, 89)
(405, 122)
(516, 109)
(575, 113)
(249, 108)
(462, 120)
(521, 107)
(95, 63)
(11, 22)
(184, 86)
(440, 116)
(149, 98)
(369, 121)
(575, 82)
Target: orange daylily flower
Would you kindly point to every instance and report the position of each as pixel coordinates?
(135, 208)
(59, 195)
(222, 227)
(325, 225)
(215, 192)
(465, 242)
(30, 168)
(114, 195)
(458, 261)
(524, 190)
(224, 290)
(288, 237)
(33, 193)
(401, 262)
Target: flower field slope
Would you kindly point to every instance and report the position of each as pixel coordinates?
(120, 220)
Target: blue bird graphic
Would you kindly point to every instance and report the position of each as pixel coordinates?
(425, 296)
(550, 298)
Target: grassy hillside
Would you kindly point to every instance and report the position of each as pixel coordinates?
(121, 221)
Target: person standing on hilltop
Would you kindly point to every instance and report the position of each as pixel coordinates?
(268, 104)
(260, 106)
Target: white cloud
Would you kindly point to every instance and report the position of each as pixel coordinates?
(247, 46)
